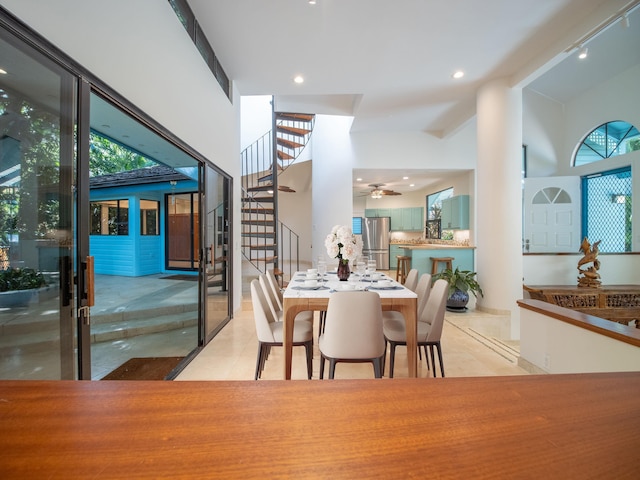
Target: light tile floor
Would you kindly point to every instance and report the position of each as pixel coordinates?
(467, 352)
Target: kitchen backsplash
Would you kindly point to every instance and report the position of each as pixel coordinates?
(460, 237)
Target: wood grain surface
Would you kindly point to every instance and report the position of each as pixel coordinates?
(551, 426)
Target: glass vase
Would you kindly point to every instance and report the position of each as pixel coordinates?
(343, 270)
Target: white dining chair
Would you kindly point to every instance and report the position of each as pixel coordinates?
(429, 328)
(412, 279)
(270, 332)
(275, 305)
(353, 331)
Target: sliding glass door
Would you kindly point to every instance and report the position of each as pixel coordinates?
(37, 166)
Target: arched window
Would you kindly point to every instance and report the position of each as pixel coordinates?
(608, 140)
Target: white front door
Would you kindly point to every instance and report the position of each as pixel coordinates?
(551, 214)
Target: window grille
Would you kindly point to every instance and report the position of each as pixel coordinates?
(607, 209)
(608, 140)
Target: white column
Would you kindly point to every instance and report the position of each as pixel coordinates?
(499, 200)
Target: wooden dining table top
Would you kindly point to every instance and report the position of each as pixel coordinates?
(536, 426)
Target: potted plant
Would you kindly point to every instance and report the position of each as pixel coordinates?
(461, 282)
(18, 285)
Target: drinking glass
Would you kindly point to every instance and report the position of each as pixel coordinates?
(361, 268)
(322, 270)
(371, 266)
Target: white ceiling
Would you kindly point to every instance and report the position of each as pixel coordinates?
(389, 63)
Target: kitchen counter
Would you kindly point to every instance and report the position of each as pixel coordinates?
(421, 256)
(434, 246)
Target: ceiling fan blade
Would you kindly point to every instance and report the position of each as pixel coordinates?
(390, 192)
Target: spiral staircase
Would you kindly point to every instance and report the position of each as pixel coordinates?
(267, 243)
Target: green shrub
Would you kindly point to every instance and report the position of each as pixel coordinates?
(20, 279)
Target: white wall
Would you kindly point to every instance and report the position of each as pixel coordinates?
(543, 344)
(141, 50)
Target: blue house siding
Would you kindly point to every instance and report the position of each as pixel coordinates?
(134, 254)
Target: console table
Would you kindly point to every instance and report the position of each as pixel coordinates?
(618, 303)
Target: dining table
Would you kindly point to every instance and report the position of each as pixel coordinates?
(302, 294)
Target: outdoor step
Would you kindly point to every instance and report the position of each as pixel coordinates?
(104, 328)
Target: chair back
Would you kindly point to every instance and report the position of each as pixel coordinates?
(271, 276)
(353, 326)
(269, 295)
(433, 312)
(412, 279)
(422, 290)
(261, 313)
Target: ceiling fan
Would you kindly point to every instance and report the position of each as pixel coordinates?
(378, 192)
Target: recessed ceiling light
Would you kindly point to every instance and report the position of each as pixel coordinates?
(405, 178)
(3, 71)
(458, 74)
(298, 79)
(358, 179)
(312, 2)
(584, 53)
(412, 184)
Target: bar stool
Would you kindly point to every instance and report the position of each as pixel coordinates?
(436, 261)
(403, 267)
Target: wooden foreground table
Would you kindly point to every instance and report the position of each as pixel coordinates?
(551, 426)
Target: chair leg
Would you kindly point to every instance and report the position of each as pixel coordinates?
(426, 357)
(439, 347)
(392, 358)
(309, 349)
(323, 314)
(332, 368)
(433, 360)
(377, 367)
(259, 361)
(321, 367)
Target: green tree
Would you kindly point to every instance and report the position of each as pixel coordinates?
(106, 157)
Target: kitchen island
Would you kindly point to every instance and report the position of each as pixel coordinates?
(421, 254)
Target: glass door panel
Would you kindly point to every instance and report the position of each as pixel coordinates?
(217, 268)
(142, 311)
(37, 105)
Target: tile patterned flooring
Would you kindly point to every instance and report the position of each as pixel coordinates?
(467, 352)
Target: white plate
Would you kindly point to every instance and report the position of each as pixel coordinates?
(345, 288)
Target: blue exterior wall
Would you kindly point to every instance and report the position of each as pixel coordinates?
(133, 255)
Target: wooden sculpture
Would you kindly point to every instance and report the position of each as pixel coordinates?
(589, 276)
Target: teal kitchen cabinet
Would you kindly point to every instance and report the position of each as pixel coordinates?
(455, 213)
(394, 251)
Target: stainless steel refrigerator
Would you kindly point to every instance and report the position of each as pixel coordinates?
(376, 233)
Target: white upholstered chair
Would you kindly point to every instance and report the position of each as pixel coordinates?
(430, 324)
(276, 303)
(411, 281)
(270, 332)
(353, 331)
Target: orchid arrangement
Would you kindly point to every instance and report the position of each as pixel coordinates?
(342, 244)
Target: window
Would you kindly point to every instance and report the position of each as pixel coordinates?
(434, 212)
(109, 217)
(149, 214)
(608, 140)
(188, 20)
(607, 209)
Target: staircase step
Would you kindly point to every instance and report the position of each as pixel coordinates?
(284, 156)
(258, 199)
(284, 188)
(302, 117)
(300, 132)
(266, 178)
(270, 247)
(262, 222)
(258, 234)
(260, 188)
(288, 143)
(259, 210)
